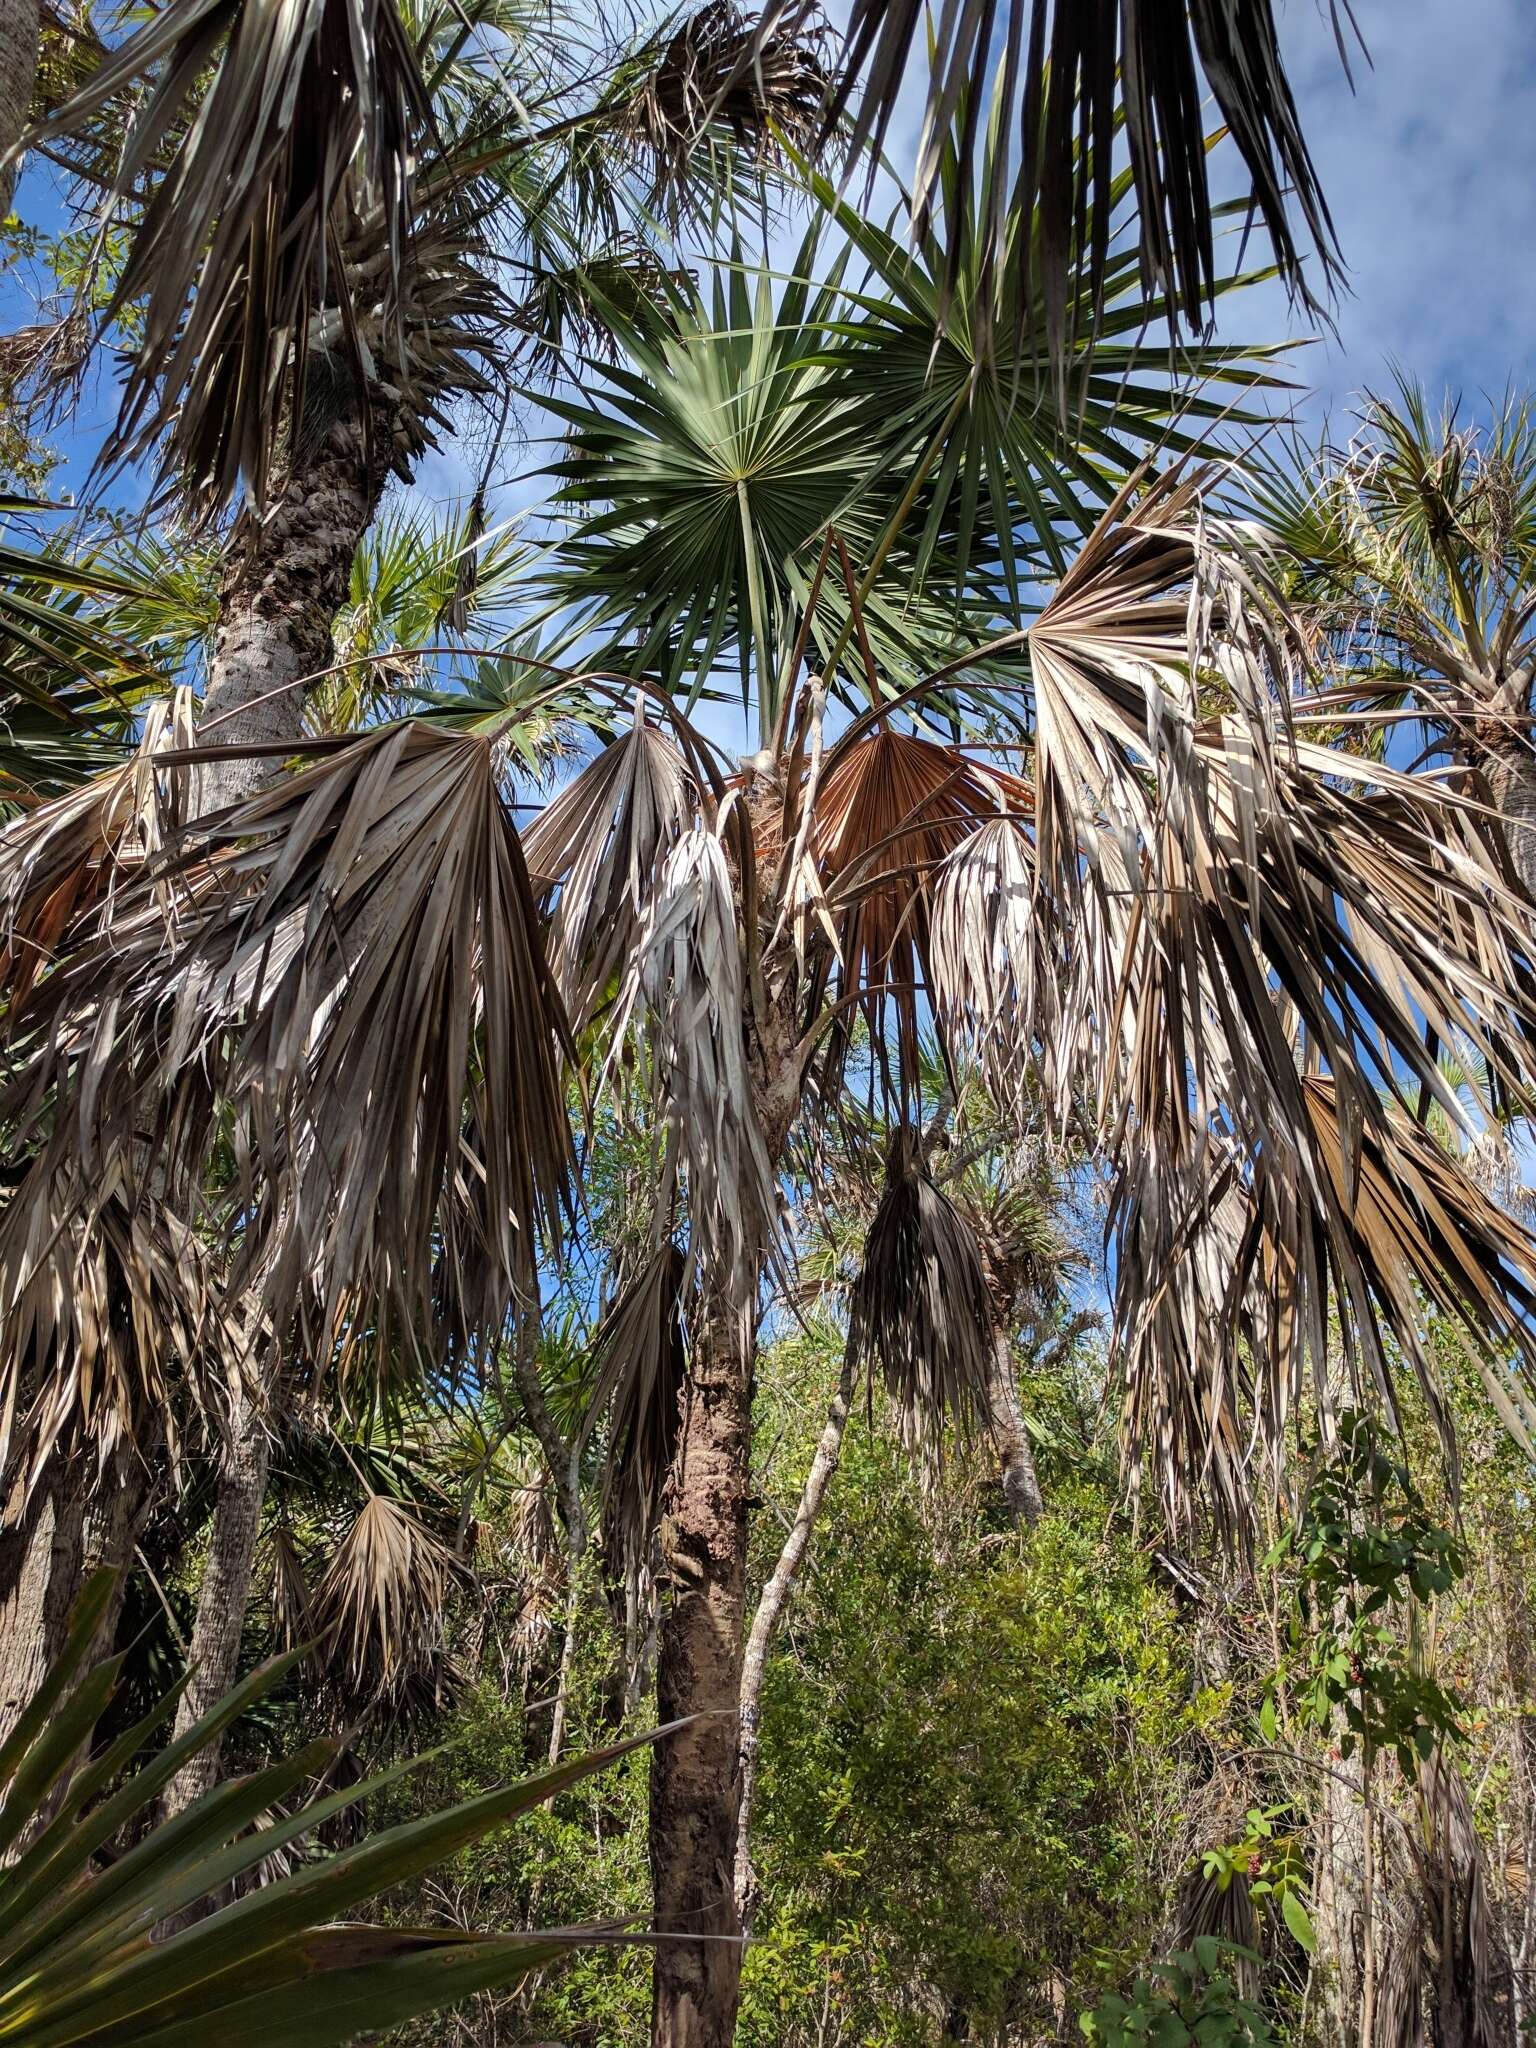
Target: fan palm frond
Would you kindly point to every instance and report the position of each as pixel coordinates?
(353, 958)
(1264, 939)
(1057, 70)
(683, 989)
(60, 862)
(380, 1607)
(603, 843)
(722, 74)
(888, 811)
(114, 1330)
(920, 1310)
(640, 1360)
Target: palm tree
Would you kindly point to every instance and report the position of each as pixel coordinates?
(1413, 551)
(365, 350)
(1041, 760)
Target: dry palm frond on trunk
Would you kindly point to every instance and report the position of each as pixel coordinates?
(354, 962)
(683, 987)
(602, 843)
(113, 1327)
(920, 1310)
(640, 1354)
(61, 860)
(990, 974)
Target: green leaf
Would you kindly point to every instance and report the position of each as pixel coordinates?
(1299, 1921)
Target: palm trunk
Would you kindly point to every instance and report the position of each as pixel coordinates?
(694, 1774)
(284, 582)
(41, 1559)
(214, 1652)
(21, 30)
(283, 585)
(770, 1611)
(69, 1530)
(1512, 775)
(1021, 1487)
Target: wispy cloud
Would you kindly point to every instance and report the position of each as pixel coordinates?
(1430, 170)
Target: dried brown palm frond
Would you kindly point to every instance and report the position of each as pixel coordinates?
(920, 1309)
(889, 810)
(536, 1553)
(1240, 914)
(381, 1607)
(602, 844)
(762, 83)
(354, 962)
(60, 861)
(312, 112)
(683, 988)
(114, 1331)
(641, 1361)
(293, 1612)
(988, 956)
(1457, 1910)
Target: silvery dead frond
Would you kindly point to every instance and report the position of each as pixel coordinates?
(641, 1361)
(920, 1309)
(1258, 921)
(990, 982)
(65, 859)
(113, 1327)
(381, 1606)
(602, 843)
(683, 986)
(356, 968)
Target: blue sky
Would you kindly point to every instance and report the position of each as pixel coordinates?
(1430, 172)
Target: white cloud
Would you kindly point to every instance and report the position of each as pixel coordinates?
(1430, 172)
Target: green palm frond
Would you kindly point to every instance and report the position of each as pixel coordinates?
(701, 482)
(280, 1967)
(1020, 450)
(1062, 76)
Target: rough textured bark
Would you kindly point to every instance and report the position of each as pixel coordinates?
(1512, 774)
(214, 1652)
(284, 582)
(694, 1773)
(21, 29)
(1021, 1487)
(41, 1559)
(70, 1529)
(770, 1612)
